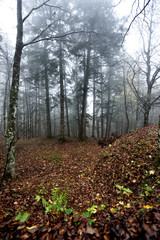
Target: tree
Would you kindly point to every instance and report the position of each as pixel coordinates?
(82, 130)
(147, 67)
(9, 171)
(11, 124)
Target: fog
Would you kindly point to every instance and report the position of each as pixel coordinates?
(88, 68)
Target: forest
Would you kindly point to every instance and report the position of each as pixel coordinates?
(79, 121)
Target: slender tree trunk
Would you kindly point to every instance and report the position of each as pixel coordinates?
(11, 124)
(82, 133)
(147, 107)
(102, 114)
(6, 95)
(159, 142)
(94, 105)
(67, 115)
(77, 102)
(36, 115)
(125, 103)
(5, 107)
(48, 117)
(62, 138)
(107, 133)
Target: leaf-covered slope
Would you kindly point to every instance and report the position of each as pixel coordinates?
(118, 185)
(130, 163)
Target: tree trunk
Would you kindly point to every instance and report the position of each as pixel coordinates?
(94, 104)
(125, 103)
(146, 116)
(67, 114)
(48, 117)
(62, 138)
(82, 132)
(159, 142)
(102, 114)
(11, 124)
(6, 95)
(147, 106)
(107, 133)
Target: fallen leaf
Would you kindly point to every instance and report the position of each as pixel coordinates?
(33, 229)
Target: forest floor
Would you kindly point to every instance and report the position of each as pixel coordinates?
(78, 190)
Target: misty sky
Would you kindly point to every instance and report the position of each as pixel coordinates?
(8, 20)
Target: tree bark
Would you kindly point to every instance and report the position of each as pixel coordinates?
(67, 114)
(11, 124)
(48, 117)
(108, 115)
(125, 102)
(82, 132)
(102, 108)
(62, 138)
(94, 103)
(159, 142)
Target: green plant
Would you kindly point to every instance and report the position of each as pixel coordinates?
(102, 207)
(6, 214)
(68, 211)
(147, 190)
(58, 201)
(106, 154)
(22, 217)
(56, 158)
(90, 211)
(123, 190)
(91, 221)
(59, 198)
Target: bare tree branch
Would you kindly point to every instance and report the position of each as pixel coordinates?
(154, 76)
(36, 40)
(58, 7)
(34, 9)
(115, 5)
(135, 19)
(155, 100)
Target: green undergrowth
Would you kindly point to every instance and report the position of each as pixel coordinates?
(57, 203)
(54, 158)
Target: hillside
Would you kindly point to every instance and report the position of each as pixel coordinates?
(78, 190)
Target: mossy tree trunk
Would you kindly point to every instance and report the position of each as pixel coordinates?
(11, 124)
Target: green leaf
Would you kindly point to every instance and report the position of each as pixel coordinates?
(18, 216)
(103, 206)
(91, 221)
(21, 217)
(68, 211)
(127, 190)
(87, 214)
(48, 209)
(37, 198)
(93, 209)
(119, 187)
(24, 217)
(45, 203)
(149, 189)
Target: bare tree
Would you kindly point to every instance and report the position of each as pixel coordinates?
(148, 68)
